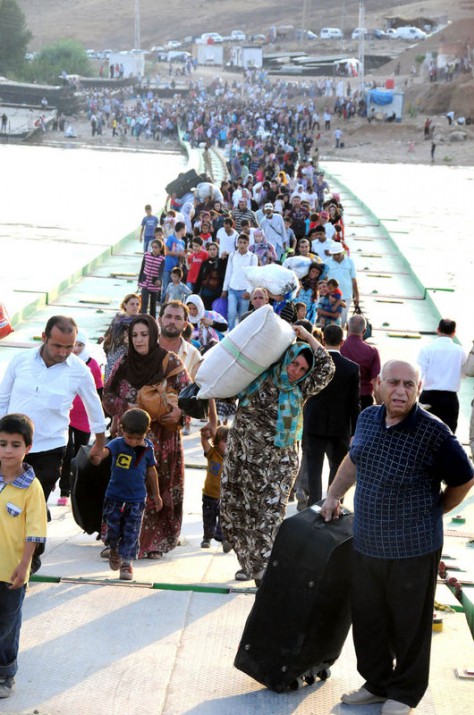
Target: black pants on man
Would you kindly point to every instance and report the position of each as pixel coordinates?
(444, 405)
(316, 448)
(392, 616)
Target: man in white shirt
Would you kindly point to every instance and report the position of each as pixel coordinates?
(274, 229)
(328, 227)
(342, 268)
(173, 320)
(320, 244)
(227, 238)
(236, 286)
(42, 384)
(441, 365)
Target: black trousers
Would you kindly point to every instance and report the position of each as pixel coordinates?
(149, 296)
(47, 466)
(392, 615)
(444, 405)
(211, 518)
(316, 448)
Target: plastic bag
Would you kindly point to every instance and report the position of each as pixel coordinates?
(191, 405)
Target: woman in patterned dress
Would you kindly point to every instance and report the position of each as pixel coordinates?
(147, 364)
(261, 461)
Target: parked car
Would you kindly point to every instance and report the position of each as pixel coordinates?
(305, 35)
(358, 31)
(173, 45)
(410, 33)
(209, 38)
(331, 33)
(178, 56)
(379, 34)
(237, 36)
(92, 55)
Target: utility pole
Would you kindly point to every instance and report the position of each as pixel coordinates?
(361, 47)
(304, 22)
(137, 43)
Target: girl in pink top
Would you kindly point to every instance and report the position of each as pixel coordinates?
(79, 429)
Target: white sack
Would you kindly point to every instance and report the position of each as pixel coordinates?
(274, 278)
(242, 355)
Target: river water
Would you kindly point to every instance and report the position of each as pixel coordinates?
(80, 193)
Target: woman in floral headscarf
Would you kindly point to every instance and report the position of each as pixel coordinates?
(261, 461)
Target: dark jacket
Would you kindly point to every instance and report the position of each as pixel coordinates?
(333, 412)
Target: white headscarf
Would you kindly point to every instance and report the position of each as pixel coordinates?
(196, 300)
(82, 337)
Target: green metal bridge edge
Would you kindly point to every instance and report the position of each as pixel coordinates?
(42, 299)
(394, 245)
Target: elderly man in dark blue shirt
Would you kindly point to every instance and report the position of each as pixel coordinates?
(399, 457)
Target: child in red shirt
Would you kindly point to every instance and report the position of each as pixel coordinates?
(194, 261)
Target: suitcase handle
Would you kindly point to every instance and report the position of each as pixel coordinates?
(317, 510)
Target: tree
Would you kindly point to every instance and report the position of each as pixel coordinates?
(64, 55)
(14, 37)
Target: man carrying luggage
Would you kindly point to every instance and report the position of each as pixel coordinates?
(399, 457)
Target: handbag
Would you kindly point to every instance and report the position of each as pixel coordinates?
(368, 330)
(158, 400)
(189, 402)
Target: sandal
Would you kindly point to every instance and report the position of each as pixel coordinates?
(154, 555)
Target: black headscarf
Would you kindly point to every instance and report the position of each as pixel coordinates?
(140, 370)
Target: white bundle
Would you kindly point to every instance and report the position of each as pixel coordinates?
(299, 264)
(247, 351)
(206, 189)
(276, 279)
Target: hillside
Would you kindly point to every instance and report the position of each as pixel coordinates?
(101, 24)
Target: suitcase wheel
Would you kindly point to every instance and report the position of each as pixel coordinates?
(309, 679)
(294, 685)
(324, 674)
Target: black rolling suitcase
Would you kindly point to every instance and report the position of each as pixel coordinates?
(88, 485)
(301, 615)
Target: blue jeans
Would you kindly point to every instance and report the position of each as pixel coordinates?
(11, 602)
(237, 306)
(166, 278)
(124, 521)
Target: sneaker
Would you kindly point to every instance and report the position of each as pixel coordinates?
(362, 696)
(226, 546)
(105, 553)
(205, 544)
(126, 572)
(63, 501)
(7, 686)
(242, 576)
(114, 560)
(393, 707)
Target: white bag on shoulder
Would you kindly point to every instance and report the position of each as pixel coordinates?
(242, 355)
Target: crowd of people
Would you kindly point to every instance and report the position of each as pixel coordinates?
(192, 288)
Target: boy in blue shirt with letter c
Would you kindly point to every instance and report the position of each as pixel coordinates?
(133, 469)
